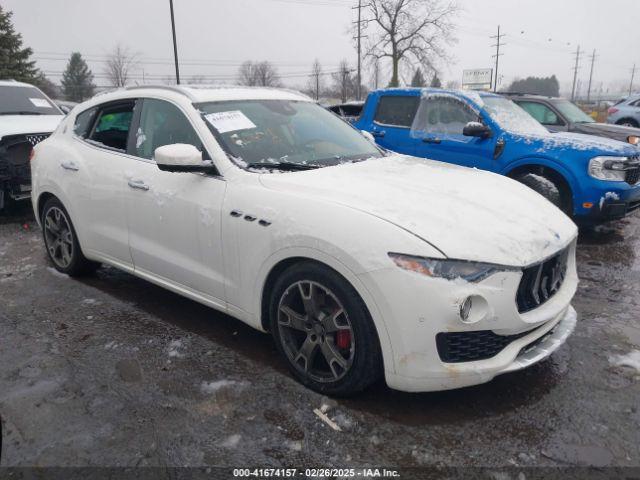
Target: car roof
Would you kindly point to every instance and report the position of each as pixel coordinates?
(529, 95)
(15, 83)
(211, 93)
(470, 94)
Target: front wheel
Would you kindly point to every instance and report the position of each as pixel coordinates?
(61, 241)
(628, 122)
(324, 331)
(549, 188)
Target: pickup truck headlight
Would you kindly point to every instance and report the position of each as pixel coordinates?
(609, 168)
(448, 269)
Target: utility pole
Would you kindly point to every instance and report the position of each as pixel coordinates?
(359, 38)
(497, 56)
(633, 75)
(575, 74)
(593, 60)
(175, 45)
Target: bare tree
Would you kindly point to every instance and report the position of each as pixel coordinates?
(315, 79)
(258, 74)
(411, 32)
(344, 84)
(119, 65)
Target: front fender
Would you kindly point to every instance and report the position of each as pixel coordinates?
(547, 162)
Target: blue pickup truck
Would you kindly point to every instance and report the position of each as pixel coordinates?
(592, 179)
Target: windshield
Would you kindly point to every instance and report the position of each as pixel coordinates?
(572, 112)
(270, 132)
(20, 100)
(511, 117)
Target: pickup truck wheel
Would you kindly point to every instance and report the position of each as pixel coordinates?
(324, 331)
(61, 241)
(548, 188)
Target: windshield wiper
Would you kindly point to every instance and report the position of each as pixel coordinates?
(283, 166)
(23, 112)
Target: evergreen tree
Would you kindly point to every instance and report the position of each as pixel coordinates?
(15, 60)
(418, 79)
(77, 79)
(435, 81)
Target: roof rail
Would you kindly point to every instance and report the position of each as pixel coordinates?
(171, 88)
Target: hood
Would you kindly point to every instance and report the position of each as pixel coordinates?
(617, 132)
(466, 213)
(577, 142)
(18, 124)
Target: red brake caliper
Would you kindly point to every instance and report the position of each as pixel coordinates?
(343, 339)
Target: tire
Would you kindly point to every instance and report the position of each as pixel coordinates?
(61, 241)
(628, 122)
(343, 347)
(549, 188)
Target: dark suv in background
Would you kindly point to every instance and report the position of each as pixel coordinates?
(560, 115)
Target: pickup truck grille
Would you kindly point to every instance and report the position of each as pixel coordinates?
(633, 174)
(542, 281)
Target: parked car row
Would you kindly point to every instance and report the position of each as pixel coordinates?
(367, 252)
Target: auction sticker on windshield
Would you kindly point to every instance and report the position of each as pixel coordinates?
(40, 102)
(231, 121)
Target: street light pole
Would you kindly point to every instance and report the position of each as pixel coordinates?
(175, 45)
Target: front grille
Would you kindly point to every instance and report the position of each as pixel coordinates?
(14, 157)
(458, 347)
(540, 282)
(633, 174)
(36, 138)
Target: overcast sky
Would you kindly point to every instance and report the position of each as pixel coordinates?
(215, 36)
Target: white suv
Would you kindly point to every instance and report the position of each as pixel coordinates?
(27, 116)
(263, 205)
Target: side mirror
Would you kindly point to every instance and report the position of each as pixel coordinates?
(181, 157)
(476, 129)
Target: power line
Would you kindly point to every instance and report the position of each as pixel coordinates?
(497, 56)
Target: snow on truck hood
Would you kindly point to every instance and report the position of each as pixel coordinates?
(17, 124)
(578, 142)
(466, 213)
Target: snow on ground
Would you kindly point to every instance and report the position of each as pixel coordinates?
(56, 273)
(174, 349)
(213, 387)
(631, 360)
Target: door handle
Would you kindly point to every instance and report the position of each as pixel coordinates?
(138, 184)
(70, 166)
(432, 140)
(378, 134)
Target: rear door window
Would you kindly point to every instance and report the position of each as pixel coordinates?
(541, 112)
(84, 122)
(396, 110)
(111, 129)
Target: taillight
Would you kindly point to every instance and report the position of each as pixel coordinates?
(32, 153)
(613, 111)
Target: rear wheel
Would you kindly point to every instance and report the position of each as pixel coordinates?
(628, 122)
(324, 331)
(549, 188)
(61, 241)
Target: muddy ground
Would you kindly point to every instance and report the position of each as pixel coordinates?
(111, 370)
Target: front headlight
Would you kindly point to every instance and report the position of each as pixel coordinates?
(608, 168)
(448, 269)
(633, 140)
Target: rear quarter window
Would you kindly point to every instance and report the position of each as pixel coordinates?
(397, 111)
(83, 123)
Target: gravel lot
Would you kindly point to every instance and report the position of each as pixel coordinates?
(112, 370)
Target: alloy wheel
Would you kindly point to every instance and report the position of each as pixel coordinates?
(316, 332)
(58, 237)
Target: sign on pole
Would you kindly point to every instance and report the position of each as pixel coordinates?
(477, 79)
